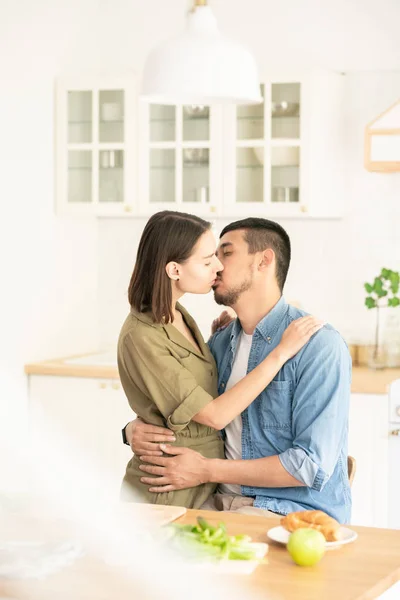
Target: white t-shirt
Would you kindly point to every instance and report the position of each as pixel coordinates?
(233, 431)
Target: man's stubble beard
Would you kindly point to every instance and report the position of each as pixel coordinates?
(232, 296)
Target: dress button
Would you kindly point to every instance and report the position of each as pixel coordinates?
(222, 385)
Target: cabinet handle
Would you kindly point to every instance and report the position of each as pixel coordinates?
(102, 385)
(395, 432)
(116, 386)
(127, 208)
(303, 209)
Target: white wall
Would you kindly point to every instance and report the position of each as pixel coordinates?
(48, 265)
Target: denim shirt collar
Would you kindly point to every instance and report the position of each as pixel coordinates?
(267, 327)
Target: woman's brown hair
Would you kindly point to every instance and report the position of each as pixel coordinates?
(168, 236)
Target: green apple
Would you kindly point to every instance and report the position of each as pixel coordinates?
(306, 547)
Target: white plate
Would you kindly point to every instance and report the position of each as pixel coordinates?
(281, 535)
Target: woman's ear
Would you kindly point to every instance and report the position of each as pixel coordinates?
(267, 258)
(172, 270)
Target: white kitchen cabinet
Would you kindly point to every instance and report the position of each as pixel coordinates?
(394, 453)
(282, 158)
(180, 159)
(368, 443)
(96, 145)
(90, 413)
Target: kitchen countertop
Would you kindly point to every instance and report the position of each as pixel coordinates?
(103, 365)
(87, 365)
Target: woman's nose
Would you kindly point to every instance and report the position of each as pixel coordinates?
(218, 265)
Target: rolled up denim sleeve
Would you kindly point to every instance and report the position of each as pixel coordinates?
(319, 410)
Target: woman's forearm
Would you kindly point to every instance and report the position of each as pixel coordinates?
(223, 409)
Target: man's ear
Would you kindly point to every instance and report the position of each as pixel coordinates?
(267, 258)
(172, 270)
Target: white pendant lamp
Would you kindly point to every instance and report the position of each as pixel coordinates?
(200, 67)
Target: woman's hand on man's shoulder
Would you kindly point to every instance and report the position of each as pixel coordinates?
(226, 317)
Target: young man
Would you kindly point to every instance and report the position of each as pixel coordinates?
(288, 450)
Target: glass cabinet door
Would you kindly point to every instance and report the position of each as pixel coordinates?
(111, 137)
(80, 176)
(79, 127)
(93, 145)
(162, 156)
(179, 159)
(80, 117)
(250, 154)
(250, 174)
(285, 111)
(111, 176)
(285, 143)
(285, 165)
(162, 123)
(196, 153)
(267, 153)
(196, 123)
(111, 116)
(196, 175)
(162, 175)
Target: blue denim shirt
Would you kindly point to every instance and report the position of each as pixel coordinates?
(301, 416)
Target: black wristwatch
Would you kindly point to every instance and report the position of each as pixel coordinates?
(123, 432)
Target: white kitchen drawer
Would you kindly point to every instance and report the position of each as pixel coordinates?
(89, 413)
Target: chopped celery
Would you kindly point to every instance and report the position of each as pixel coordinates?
(204, 540)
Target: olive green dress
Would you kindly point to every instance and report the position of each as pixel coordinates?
(167, 381)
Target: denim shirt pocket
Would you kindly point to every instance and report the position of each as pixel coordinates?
(275, 406)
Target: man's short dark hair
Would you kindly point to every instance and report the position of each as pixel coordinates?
(261, 234)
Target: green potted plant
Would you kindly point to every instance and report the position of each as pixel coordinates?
(382, 293)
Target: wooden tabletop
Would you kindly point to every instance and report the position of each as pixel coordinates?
(361, 570)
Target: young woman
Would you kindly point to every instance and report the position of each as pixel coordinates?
(166, 369)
